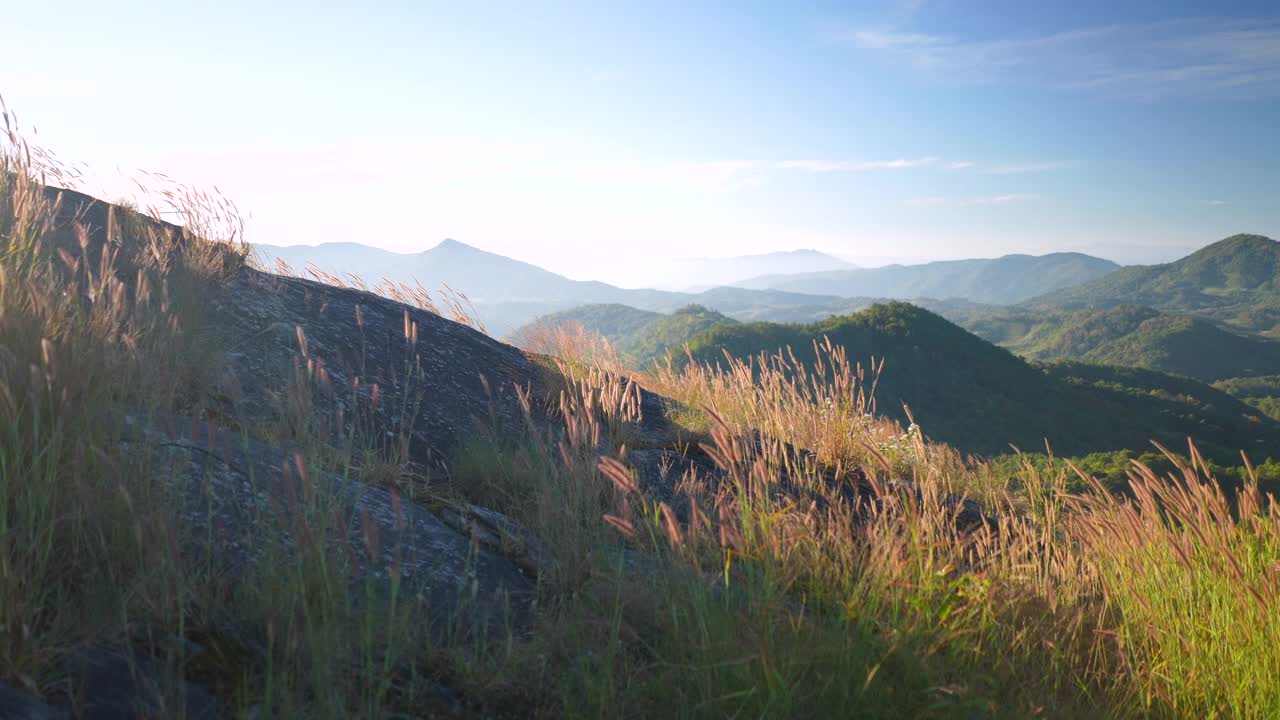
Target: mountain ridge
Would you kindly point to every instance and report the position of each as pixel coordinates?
(1003, 280)
(700, 273)
(509, 293)
(1235, 280)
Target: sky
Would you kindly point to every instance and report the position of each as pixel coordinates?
(598, 139)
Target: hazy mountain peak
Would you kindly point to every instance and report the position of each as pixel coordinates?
(455, 246)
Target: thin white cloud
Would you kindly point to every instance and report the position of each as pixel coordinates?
(1219, 202)
(1001, 199)
(824, 166)
(811, 165)
(722, 175)
(877, 40)
(931, 201)
(1201, 56)
(1020, 168)
(706, 175)
(936, 201)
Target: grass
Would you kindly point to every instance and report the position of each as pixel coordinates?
(1158, 601)
(101, 319)
(87, 557)
(845, 582)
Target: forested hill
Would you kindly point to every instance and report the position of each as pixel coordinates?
(981, 398)
(1133, 336)
(1236, 280)
(640, 336)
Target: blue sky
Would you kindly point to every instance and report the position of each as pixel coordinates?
(596, 138)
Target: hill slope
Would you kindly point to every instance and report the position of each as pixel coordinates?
(1133, 336)
(1004, 280)
(672, 332)
(639, 335)
(979, 397)
(1236, 281)
(615, 322)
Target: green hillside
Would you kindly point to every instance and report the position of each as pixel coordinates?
(979, 397)
(1260, 392)
(611, 320)
(1133, 336)
(1236, 281)
(640, 336)
(670, 332)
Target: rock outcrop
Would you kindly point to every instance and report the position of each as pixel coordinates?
(435, 377)
(237, 488)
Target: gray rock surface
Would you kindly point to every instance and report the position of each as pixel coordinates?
(114, 683)
(433, 385)
(238, 487)
(20, 705)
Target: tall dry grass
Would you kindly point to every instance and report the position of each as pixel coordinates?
(446, 302)
(827, 406)
(103, 328)
(95, 328)
(1192, 576)
(891, 599)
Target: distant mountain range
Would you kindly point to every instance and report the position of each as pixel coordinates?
(508, 293)
(1194, 343)
(486, 277)
(1001, 281)
(966, 391)
(696, 274)
(1235, 281)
